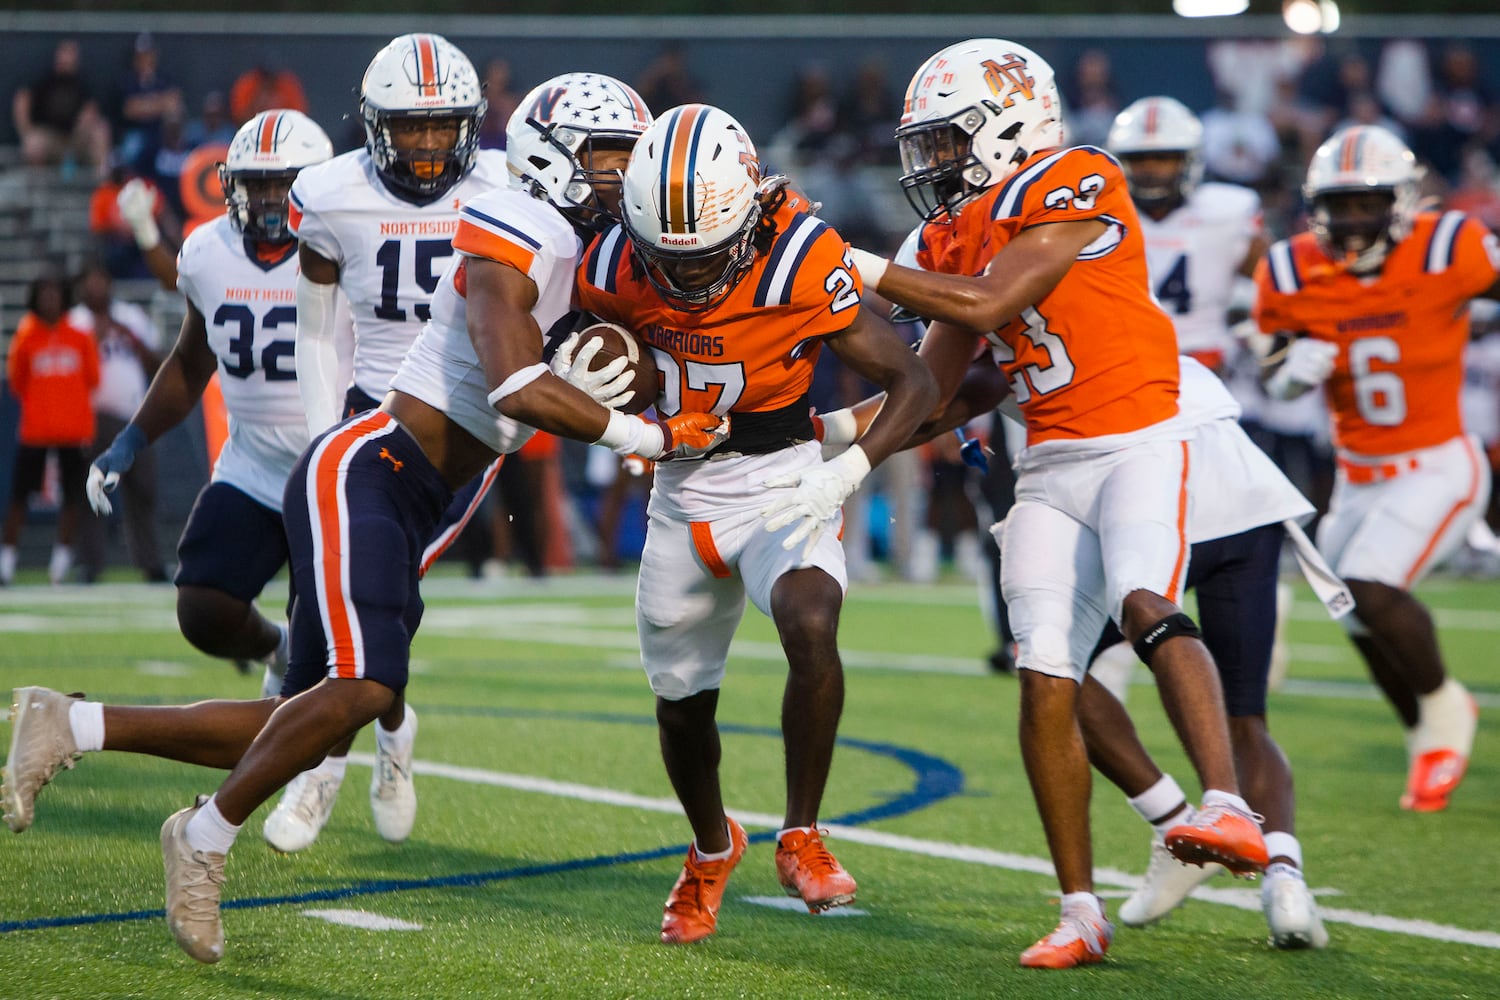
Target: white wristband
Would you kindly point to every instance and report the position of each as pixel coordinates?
(626, 435)
(871, 267)
(517, 381)
(839, 427)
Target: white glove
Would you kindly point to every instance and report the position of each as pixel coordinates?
(814, 497)
(609, 386)
(871, 267)
(137, 204)
(1308, 363)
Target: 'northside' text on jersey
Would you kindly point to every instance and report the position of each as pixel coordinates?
(684, 341)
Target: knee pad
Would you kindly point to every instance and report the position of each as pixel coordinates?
(1169, 627)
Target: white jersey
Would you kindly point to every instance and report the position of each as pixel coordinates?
(1194, 255)
(390, 252)
(249, 309)
(442, 369)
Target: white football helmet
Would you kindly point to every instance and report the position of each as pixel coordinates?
(271, 147)
(554, 130)
(973, 113)
(1356, 160)
(1158, 126)
(421, 76)
(691, 203)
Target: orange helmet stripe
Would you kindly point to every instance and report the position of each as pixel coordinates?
(1349, 154)
(1153, 117)
(268, 132)
(679, 168)
(427, 66)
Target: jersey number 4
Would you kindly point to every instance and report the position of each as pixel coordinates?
(276, 358)
(1174, 288)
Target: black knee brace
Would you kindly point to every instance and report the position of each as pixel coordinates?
(1169, 627)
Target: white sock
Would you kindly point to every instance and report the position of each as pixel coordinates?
(1214, 797)
(1445, 719)
(60, 563)
(331, 767)
(86, 719)
(396, 740)
(1163, 805)
(7, 563)
(793, 829)
(209, 831)
(283, 638)
(1075, 900)
(716, 855)
(1280, 844)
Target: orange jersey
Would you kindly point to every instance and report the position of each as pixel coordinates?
(754, 351)
(52, 372)
(1400, 335)
(1096, 355)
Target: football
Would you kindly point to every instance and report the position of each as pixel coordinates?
(617, 342)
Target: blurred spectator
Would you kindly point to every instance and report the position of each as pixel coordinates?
(503, 102)
(1462, 115)
(1478, 190)
(129, 355)
(812, 118)
(1250, 71)
(149, 96)
(213, 126)
(1239, 146)
(172, 151)
(262, 88)
(1091, 103)
(115, 239)
(52, 369)
(870, 113)
(56, 117)
(666, 83)
(1403, 79)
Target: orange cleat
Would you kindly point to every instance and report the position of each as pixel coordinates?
(1432, 778)
(808, 871)
(1081, 938)
(1220, 834)
(692, 910)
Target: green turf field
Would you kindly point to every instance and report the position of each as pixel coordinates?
(548, 837)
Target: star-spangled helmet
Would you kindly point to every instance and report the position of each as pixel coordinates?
(691, 203)
(1359, 159)
(1155, 126)
(554, 131)
(274, 145)
(421, 76)
(973, 113)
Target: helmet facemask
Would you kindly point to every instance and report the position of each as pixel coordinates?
(1155, 184)
(419, 174)
(940, 169)
(258, 203)
(1358, 227)
(590, 198)
(699, 279)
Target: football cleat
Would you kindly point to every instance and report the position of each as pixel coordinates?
(1433, 777)
(1439, 748)
(41, 742)
(1168, 883)
(195, 880)
(1220, 833)
(302, 812)
(1290, 910)
(692, 910)
(1080, 938)
(809, 872)
(393, 797)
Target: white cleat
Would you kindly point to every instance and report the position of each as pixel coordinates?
(393, 797)
(275, 674)
(1291, 912)
(1168, 883)
(195, 880)
(303, 810)
(41, 742)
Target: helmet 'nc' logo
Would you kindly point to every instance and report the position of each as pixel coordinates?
(748, 158)
(1008, 79)
(546, 104)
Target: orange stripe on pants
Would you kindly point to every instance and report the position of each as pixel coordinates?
(703, 541)
(1173, 589)
(1432, 543)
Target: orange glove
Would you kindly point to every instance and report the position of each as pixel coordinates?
(690, 435)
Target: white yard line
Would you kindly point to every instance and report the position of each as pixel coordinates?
(1237, 898)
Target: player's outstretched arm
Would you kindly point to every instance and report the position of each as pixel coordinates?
(1020, 275)
(317, 340)
(174, 391)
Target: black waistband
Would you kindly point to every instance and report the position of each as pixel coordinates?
(768, 430)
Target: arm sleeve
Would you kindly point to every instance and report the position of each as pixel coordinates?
(317, 354)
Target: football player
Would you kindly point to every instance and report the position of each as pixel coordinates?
(1062, 297)
(736, 287)
(377, 224)
(239, 276)
(1371, 304)
(362, 503)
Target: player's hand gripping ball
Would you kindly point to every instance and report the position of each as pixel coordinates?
(611, 365)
